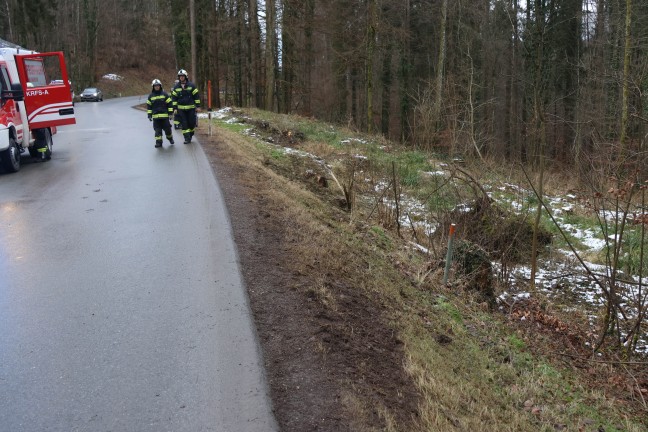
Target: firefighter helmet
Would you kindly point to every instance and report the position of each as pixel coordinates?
(156, 82)
(183, 72)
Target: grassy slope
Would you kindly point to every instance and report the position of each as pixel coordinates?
(471, 371)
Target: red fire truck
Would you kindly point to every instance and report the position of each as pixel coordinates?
(35, 98)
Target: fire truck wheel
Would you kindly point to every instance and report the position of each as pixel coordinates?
(11, 157)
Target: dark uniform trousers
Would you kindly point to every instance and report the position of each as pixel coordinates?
(187, 119)
(185, 101)
(159, 125)
(159, 108)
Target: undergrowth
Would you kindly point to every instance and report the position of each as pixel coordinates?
(472, 369)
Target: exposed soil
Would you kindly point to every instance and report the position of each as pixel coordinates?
(341, 368)
(324, 366)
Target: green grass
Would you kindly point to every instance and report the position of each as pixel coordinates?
(319, 132)
(277, 154)
(314, 130)
(381, 237)
(483, 377)
(630, 259)
(580, 220)
(451, 310)
(516, 342)
(441, 201)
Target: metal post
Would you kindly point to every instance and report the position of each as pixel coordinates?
(448, 262)
(209, 105)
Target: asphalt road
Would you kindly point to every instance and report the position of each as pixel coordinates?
(121, 302)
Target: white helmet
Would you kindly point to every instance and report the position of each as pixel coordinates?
(156, 82)
(183, 72)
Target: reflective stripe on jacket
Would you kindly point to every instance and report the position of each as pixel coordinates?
(159, 105)
(185, 98)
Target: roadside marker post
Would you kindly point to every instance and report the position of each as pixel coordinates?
(209, 105)
(448, 262)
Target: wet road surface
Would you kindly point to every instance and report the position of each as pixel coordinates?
(121, 302)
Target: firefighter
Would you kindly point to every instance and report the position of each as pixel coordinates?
(185, 102)
(176, 116)
(40, 140)
(40, 144)
(159, 108)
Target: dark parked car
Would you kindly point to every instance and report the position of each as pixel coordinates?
(91, 94)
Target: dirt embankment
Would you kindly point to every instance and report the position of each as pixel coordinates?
(333, 362)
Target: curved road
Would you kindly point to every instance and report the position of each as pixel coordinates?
(121, 302)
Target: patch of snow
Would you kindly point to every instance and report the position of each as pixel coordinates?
(434, 173)
(518, 207)
(463, 208)
(554, 278)
(419, 247)
(218, 114)
(300, 153)
(585, 236)
(514, 187)
(113, 77)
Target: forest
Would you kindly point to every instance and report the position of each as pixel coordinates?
(539, 86)
(561, 82)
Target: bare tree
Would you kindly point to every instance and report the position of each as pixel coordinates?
(270, 55)
(441, 62)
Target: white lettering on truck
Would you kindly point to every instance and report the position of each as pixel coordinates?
(36, 92)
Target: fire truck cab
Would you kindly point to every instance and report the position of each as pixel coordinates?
(35, 98)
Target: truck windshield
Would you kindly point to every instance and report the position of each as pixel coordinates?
(40, 68)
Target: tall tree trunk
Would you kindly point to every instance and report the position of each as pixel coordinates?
(254, 37)
(11, 35)
(309, 55)
(90, 15)
(514, 102)
(192, 30)
(270, 55)
(440, 64)
(215, 55)
(239, 56)
(353, 92)
(371, 48)
(540, 128)
(288, 29)
(626, 79)
(405, 72)
(386, 90)
(471, 109)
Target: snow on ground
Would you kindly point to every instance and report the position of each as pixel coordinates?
(435, 173)
(113, 77)
(350, 140)
(218, 115)
(555, 278)
(568, 278)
